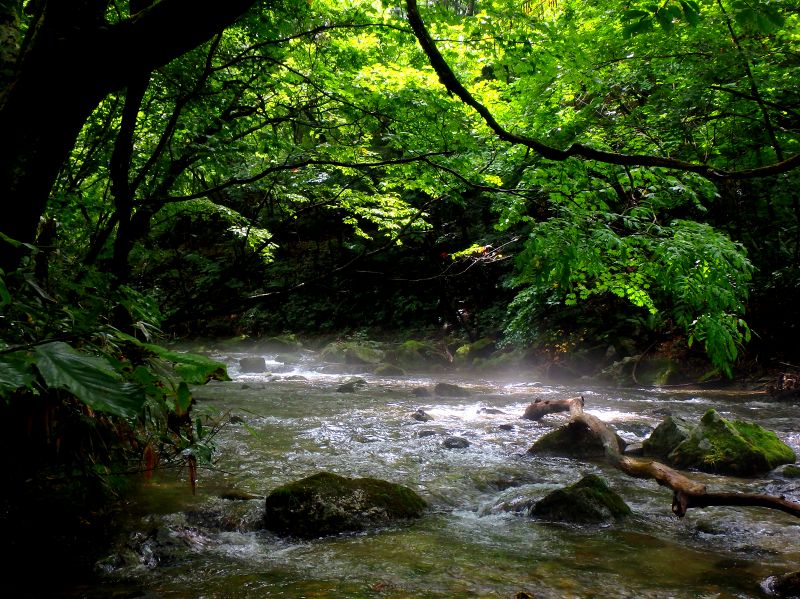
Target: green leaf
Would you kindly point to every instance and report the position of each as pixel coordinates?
(192, 368)
(183, 399)
(5, 296)
(15, 372)
(88, 378)
(641, 26)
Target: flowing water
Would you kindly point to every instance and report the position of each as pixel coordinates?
(283, 426)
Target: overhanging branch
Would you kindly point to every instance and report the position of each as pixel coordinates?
(454, 86)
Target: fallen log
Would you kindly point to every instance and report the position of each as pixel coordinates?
(686, 492)
(541, 407)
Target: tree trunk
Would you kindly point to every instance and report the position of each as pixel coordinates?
(70, 61)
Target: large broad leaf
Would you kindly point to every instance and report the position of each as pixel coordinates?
(15, 372)
(192, 368)
(89, 378)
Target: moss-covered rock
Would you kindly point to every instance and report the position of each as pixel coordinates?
(418, 356)
(791, 471)
(589, 501)
(731, 447)
(467, 354)
(327, 504)
(573, 440)
(671, 432)
(353, 352)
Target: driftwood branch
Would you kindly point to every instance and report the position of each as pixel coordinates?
(686, 492)
(448, 78)
(542, 407)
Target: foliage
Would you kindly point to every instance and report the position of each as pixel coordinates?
(305, 170)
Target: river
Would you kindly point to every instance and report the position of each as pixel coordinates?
(282, 426)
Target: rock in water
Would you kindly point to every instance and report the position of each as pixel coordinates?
(328, 504)
(253, 364)
(589, 501)
(670, 433)
(573, 440)
(731, 447)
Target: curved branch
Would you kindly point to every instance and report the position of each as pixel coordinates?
(454, 86)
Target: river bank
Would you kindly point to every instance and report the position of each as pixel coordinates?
(671, 364)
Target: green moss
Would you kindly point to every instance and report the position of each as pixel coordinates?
(731, 447)
(590, 500)
(326, 503)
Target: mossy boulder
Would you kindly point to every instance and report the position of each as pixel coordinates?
(478, 350)
(731, 447)
(572, 440)
(417, 355)
(353, 352)
(327, 504)
(791, 471)
(589, 501)
(671, 432)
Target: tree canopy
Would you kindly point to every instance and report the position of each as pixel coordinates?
(559, 175)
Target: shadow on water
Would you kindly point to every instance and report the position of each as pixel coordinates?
(293, 422)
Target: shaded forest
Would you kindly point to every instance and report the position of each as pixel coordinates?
(575, 182)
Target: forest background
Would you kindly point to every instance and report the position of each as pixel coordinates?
(566, 182)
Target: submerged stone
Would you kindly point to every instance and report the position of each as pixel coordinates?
(731, 447)
(421, 416)
(352, 385)
(328, 504)
(456, 443)
(450, 390)
(589, 501)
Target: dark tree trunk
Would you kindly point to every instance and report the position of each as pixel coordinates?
(71, 59)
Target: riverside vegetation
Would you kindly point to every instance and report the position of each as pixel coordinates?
(571, 189)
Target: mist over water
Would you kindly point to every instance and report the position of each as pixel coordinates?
(292, 422)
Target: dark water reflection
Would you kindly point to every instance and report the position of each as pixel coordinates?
(277, 430)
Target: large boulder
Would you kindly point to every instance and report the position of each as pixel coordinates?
(671, 432)
(731, 447)
(572, 440)
(328, 504)
(589, 501)
(418, 356)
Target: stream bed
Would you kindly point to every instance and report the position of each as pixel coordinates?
(292, 422)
